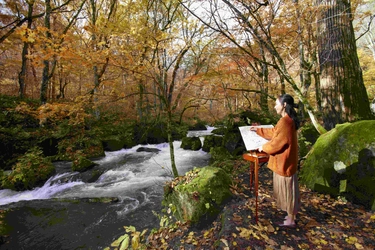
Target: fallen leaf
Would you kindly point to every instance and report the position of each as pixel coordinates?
(270, 228)
(312, 223)
(358, 246)
(351, 240)
(224, 241)
(271, 242)
(323, 242)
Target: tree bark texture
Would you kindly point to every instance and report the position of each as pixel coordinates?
(25, 51)
(46, 78)
(343, 94)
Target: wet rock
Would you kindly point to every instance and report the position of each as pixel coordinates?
(152, 150)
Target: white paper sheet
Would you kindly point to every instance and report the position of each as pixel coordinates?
(251, 139)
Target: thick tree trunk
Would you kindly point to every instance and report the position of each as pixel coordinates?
(22, 74)
(25, 51)
(343, 94)
(46, 77)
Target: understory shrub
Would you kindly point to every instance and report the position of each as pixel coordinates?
(31, 170)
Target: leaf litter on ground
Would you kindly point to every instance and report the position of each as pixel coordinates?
(323, 222)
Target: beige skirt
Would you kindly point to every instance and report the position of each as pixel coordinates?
(286, 193)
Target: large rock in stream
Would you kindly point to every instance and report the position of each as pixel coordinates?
(342, 163)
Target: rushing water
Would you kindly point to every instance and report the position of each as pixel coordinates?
(65, 213)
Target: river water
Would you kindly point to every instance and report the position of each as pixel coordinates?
(65, 213)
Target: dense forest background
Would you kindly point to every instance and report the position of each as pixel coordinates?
(192, 58)
(114, 62)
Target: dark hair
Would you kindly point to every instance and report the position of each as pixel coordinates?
(289, 108)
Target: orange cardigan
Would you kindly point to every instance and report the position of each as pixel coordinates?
(282, 146)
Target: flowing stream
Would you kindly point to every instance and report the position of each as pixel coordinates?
(68, 213)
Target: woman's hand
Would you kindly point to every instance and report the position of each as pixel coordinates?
(253, 128)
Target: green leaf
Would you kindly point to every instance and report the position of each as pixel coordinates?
(125, 242)
(117, 242)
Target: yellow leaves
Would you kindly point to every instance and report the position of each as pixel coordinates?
(135, 241)
(102, 43)
(351, 240)
(123, 242)
(53, 112)
(354, 241)
(191, 239)
(319, 241)
(206, 234)
(323, 242)
(27, 35)
(247, 233)
(358, 246)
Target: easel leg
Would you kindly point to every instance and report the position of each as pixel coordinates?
(256, 168)
(251, 175)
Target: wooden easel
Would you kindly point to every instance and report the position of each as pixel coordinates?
(255, 157)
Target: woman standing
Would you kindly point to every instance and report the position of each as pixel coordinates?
(283, 150)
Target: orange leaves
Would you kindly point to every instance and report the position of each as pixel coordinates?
(27, 35)
(50, 113)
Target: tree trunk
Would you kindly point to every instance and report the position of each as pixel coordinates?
(170, 141)
(304, 75)
(25, 51)
(343, 94)
(46, 77)
(265, 80)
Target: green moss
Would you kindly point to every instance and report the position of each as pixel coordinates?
(220, 154)
(344, 144)
(211, 141)
(200, 195)
(193, 143)
(307, 136)
(82, 164)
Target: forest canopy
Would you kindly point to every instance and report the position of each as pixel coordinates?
(191, 58)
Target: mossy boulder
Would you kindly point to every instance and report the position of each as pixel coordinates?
(211, 141)
(232, 140)
(341, 162)
(198, 125)
(71, 147)
(220, 154)
(199, 196)
(307, 136)
(193, 143)
(113, 144)
(81, 163)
